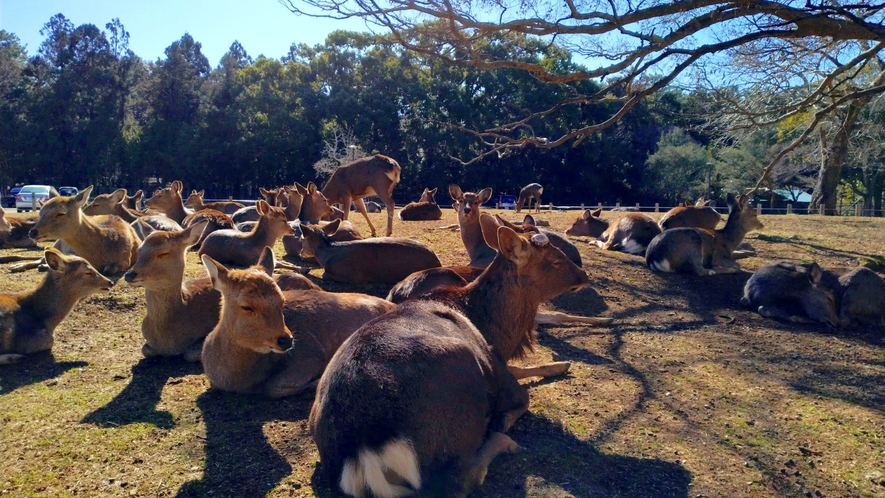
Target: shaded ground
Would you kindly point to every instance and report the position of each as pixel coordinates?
(690, 395)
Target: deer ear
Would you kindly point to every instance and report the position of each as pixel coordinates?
(177, 186)
(593, 214)
(489, 226)
(55, 259)
(814, 273)
(311, 188)
(262, 206)
(455, 192)
(191, 235)
(528, 220)
(81, 198)
(502, 222)
(331, 228)
(433, 192)
(730, 200)
(743, 201)
(118, 195)
(484, 195)
(202, 193)
(138, 195)
(217, 271)
(513, 247)
(266, 261)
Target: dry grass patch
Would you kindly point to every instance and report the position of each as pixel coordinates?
(690, 395)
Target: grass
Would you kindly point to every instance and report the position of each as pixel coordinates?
(690, 395)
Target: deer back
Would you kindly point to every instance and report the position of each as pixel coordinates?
(372, 175)
(632, 233)
(690, 216)
(788, 291)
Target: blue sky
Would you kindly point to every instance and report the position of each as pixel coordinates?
(261, 26)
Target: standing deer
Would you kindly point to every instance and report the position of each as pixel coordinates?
(701, 215)
(375, 175)
(468, 205)
(244, 249)
(195, 201)
(529, 192)
(107, 242)
(277, 342)
(423, 210)
(28, 319)
(424, 392)
(704, 252)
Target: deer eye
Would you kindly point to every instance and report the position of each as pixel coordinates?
(162, 255)
(59, 215)
(247, 309)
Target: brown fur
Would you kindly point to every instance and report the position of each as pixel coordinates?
(28, 318)
(244, 249)
(314, 205)
(14, 231)
(529, 192)
(375, 175)
(631, 233)
(195, 201)
(425, 209)
(589, 224)
(168, 201)
(468, 205)
(216, 221)
(701, 215)
(296, 245)
(528, 225)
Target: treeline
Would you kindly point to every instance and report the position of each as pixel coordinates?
(84, 109)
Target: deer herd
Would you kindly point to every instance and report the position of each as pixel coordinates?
(413, 391)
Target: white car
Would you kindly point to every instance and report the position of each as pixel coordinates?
(25, 197)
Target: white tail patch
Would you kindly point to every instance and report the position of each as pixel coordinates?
(631, 246)
(367, 470)
(393, 174)
(661, 266)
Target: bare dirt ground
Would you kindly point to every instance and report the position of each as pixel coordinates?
(689, 395)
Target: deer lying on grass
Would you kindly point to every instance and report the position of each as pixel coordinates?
(14, 232)
(243, 249)
(28, 319)
(249, 213)
(701, 215)
(526, 194)
(423, 210)
(797, 293)
(468, 205)
(386, 260)
(168, 201)
(115, 204)
(704, 252)
(195, 201)
(528, 225)
(107, 242)
(631, 233)
(375, 175)
(303, 249)
(276, 342)
(389, 415)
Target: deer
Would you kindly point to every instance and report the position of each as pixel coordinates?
(529, 225)
(467, 205)
(805, 292)
(631, 233)
(425, 209)
(235, 247)
(115, 204)
(107, 242)
(380, 260)
(248, 213)
(29, 318)
(195, 201)
(704, 252)
(526, 194)
(389, 416)
(300, 247)
(14, 232)
(373, 175)
(277, 342)
(168, 200)
(701, 215)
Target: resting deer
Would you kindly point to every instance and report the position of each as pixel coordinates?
(631, 233)
(389, 414)
(115, 204)
(701, 215)
(386, 260)
(468, 205)
(195, 201)
(249, 213)
(14, 232)
(375, 175)
(528, 225)
(529, 192)
(107, 242)
(423, 210)
(704, 252)
(277, 342)
(28, 319)
(168, 200)
(243, 249)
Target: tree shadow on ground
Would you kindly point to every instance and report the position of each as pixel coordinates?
(137, 402)
(35, 368)
(239, 459)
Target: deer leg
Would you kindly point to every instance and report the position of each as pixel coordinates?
(556, 318)
(362, 208)
(345, 206)
(475, 475)
(25, 266)
(388, 203)
(538, 204)
(779, 313)
(14, 258)
(546, 370)
(10, 359)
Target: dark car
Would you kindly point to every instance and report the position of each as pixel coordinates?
(9, 200)
(68, 191)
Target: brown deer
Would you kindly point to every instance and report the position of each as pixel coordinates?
(389, 414)
(14, 231)
(276, 342)
(701, 215)
(249, 213)
(195, 201)
(243, 249)
(468, 205)
(704, 252)
(526, 194)
(631, 233)
(529, 225)
(425, 209)
(375, 175)
(298, 246)
(386, 260)
(107, 242)
(168, 201)
(314, 204)
(4, 223)
(28, 319)
(115, 204)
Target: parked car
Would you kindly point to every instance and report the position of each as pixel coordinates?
(507, 201)
(68, 191)
(23, 200)
(9, 200)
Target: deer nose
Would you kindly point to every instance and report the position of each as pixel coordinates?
(32, 234)
(284, 342)
(129, 276)
(466, 210)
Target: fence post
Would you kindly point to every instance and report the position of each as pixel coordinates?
(33, 201)
(617, 205)
(582, 206)
(637, 207)
(230, 197)
(821, 210)
(599, 206)
(758, 208)
(550, 206)
(657, 207)
(858, 210)
(790, 208)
